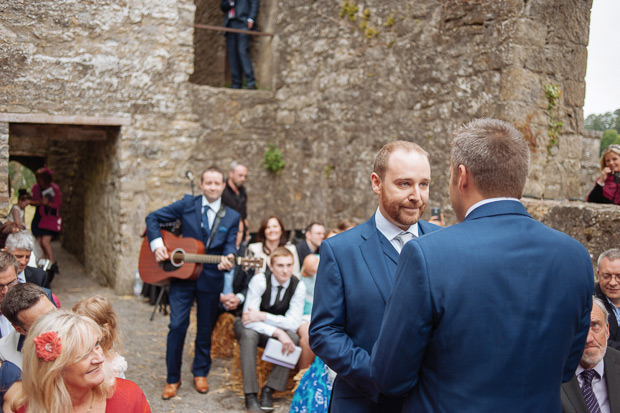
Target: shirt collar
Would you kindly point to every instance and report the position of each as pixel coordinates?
(21, 277)
(488, 201)
(599, 368)
(390, 230)
(275, 283)
(215, 205)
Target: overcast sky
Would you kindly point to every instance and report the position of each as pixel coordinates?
(603, 75)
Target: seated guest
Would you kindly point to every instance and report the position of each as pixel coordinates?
(314, 233)
(607, 187)
(22, 305)
(8, 278)
(99, 309)
(64, 372)
(273, 308)
(271, 235)
(21, 244)
(608, 290)
(594, 387)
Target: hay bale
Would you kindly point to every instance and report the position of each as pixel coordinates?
(223, 340)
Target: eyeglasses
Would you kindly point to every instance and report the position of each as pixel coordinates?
(12, 283)
(607, 277)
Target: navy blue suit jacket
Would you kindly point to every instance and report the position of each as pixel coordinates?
(489, 315)
(189, 211)
(244, 10)
(353, 283)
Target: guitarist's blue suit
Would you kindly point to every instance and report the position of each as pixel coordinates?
(206, 289)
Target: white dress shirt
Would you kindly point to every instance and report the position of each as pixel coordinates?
(488, 201)
(291, 320)
(214, 207)
(599, 385)
(391, 231)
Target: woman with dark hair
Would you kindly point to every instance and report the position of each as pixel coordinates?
(46, 223)
(607, 187)
(271, 235)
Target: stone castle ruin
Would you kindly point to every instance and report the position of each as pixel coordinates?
(122, 97)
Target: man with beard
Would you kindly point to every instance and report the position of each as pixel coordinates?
(235, 197)
(490, 314)
(597, 379)
(356, 272)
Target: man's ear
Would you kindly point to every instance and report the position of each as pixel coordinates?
(464, 179)
(375, 182)
(19, 329)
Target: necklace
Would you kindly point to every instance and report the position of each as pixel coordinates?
(92, 400)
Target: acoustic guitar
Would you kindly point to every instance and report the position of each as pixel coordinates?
(186, 259)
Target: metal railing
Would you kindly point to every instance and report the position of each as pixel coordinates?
(231, 30)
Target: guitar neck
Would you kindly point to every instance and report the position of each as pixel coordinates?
(202, 258)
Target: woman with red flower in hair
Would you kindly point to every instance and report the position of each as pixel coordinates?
(64, 370)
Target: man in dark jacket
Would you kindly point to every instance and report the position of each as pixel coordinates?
(608, 290)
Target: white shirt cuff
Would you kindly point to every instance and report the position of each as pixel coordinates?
(157, 243)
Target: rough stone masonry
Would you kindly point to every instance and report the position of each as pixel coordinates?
(123, 97)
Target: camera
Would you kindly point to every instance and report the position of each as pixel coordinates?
(436, 213)
(616, 176)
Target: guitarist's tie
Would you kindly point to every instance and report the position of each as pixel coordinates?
(205, 220)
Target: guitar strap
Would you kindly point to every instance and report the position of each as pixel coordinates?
(218, 217)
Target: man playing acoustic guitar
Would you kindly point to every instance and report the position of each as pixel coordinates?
(203, 218)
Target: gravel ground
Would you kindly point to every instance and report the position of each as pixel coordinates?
(144, 346)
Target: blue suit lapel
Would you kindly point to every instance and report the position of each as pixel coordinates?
(372, 253)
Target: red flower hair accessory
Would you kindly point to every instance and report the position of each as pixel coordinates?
(48, 346)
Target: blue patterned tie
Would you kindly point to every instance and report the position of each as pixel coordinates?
(588, 394)
(205, 220)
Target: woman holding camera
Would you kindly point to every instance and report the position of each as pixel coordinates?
(607, 187)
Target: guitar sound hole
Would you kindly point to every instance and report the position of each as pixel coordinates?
(169, 267)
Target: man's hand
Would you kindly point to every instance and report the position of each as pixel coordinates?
(230, 301)
(250, 24)
(287, 344)
(161, 254)
(252, 316)
(226, 263)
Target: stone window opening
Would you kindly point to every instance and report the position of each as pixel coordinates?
(211, 66)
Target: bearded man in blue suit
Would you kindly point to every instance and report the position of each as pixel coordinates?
(199, 216)
(491, 314)
(356, 272)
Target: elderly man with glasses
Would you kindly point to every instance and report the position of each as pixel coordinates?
(608, 290)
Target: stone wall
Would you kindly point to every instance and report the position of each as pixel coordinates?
(331, 95)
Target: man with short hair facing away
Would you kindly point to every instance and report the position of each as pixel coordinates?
(22, 305)
(8, 278)
(273, 308)
(491, 314)
(608, 290)
(595, 387)
(21, 245)
(355, 277)
(314, 234)
(199, 217)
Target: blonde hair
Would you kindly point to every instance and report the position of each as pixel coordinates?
(43, 387)
(99, 309)
(611, 148)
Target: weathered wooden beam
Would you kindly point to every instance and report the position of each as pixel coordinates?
(231, 30)
(65, 120)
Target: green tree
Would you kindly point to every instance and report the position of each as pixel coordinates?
(610, 136)
(603, 122)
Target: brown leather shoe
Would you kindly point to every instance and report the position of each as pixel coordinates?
(170, 390)
(201, 384)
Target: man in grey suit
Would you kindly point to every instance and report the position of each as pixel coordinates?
(594, 387)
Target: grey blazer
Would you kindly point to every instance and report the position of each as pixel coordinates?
(572, 397)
